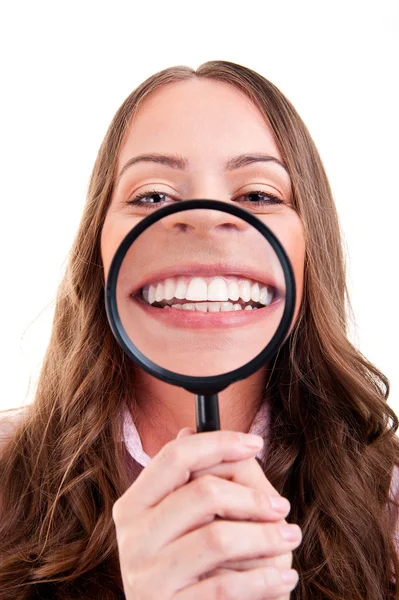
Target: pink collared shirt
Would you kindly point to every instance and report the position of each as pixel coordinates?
(132, 440)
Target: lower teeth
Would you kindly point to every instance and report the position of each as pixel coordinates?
(212, 306)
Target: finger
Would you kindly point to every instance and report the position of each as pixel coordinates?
(254, 564)
(282, 561)
(246, 472)
(258, 584)
(197, 503)
(220, 541)
(185, 432)
(172, 466)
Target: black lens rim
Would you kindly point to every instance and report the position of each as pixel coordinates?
(214, 383)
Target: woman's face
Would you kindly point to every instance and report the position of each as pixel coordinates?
(187, 285)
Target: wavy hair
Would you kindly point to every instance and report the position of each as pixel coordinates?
(332, 447)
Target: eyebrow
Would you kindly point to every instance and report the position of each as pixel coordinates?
(248, 159)
(180, 163)
(169, 160)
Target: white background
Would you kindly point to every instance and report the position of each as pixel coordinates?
(67, 66)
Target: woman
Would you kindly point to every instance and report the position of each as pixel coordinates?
(81, 518)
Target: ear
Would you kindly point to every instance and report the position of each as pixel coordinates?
(185, 432)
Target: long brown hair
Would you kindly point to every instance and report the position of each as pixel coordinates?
(332, 446)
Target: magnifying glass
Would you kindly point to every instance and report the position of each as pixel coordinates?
(200, 294)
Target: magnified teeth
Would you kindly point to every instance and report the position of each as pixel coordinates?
(201, 306)
(226, 306)
(197, 289)
(160, 292)
(211, 306)
(265, 296)
(169, 289)
(255, 292)
(231, 292)
(245, 290)
(234, 290)
(217, 289)
(181, 288)
(151, 294)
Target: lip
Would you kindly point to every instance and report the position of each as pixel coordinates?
(199, 320)
(212, 270)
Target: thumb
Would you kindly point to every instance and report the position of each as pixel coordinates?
(185, 432)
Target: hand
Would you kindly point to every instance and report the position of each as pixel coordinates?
(166, 532)
(246, 472)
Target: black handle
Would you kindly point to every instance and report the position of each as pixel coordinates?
(207, 412)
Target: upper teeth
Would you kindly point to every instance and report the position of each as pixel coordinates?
(201, 289)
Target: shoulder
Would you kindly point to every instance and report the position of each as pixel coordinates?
(393, 507)
(395, 483)
(9, 423)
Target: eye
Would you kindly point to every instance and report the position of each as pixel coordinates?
(259, 198)
(149, 199)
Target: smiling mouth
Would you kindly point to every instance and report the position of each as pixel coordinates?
(208, 294)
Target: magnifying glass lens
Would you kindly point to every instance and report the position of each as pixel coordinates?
(200, 292)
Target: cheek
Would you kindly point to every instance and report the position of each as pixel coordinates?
(105, 250)
(111, 236)
(295, 247)
(289, 230)
(296, 253)
(116, 227)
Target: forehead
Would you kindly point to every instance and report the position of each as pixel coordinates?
(198, 119)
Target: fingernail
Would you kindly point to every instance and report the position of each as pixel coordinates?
(289, 532)
(252, 441)
(289, 577)
(280, 504)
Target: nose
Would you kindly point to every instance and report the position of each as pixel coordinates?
(204, 222)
